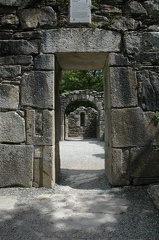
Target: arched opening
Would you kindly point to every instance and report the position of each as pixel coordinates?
(82, 119)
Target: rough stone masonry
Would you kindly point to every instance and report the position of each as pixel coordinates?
(36, 44)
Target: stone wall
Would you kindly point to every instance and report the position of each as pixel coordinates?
(32, 36)
(82, 123)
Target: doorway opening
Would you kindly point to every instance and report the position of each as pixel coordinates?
(81, 159)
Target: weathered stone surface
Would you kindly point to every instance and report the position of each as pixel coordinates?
(12, 127)
(16, 163)
(116, 59)
(16, 60)
(9, 20)
(81, 40)
(148, 57)
(124, 24)
(152, 128)
(140, 42)
(29, 18)
(32, 17)
(28, 35)
(4, 35)
(9, 96)
(148, 90)
(134, 8)
(128, 128)
(44, 62)
(10, 71)
(40, 127)
(48, 166)
(37, 89)
(152, 7)
(16, 3)
(144, 162)
(123, 87)
(47, 17)
(17, 47)
(119, 168)
(107, 9)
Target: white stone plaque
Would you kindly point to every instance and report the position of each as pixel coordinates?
(80, 11)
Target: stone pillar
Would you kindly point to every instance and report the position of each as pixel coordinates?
(37, 96)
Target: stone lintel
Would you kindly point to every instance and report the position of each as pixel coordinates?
(81, 40)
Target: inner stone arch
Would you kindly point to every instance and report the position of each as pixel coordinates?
(95, 99)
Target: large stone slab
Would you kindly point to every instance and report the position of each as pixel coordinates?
(141, 42)
(144, 164)
(40, 127)
(123, 87)
(9, 96)
(15, 3)
(128, 128)
(10, 71)
(81, 40)
(37, 89)
(32, 17)
(152, 7)
(12, 127)
(16, 60)
(16, 163)
(44, 62)
(148, 90)
(17, 47)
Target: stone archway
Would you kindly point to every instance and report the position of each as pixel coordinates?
(97, 98)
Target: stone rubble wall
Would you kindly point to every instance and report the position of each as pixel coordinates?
(86, 130)
(26, 87)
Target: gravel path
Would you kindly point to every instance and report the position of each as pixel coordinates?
(82, 206)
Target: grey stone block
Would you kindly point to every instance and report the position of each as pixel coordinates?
(9, 20)
(81, 40)
(17, 47)
(134, 8)
(117, 60)
(9, 96)
(142, 42)
(44, 62)
(152, 8)
(129, 128)
(124, 24)
(32, 17)
(12, 127)
(119, 165)
(10, 71)
(37, 89)
(148, 57)
(48, 166)
(142, 162)
(15, 3)
(16, 60)
(43, 134)
(123, 87)
(148, 90)
(16, 163)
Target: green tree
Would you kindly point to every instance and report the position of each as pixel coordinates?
(81, 80)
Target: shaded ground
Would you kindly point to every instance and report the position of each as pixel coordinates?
(82, 206)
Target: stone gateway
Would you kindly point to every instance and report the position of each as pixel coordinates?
(36, 44)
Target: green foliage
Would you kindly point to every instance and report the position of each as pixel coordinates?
(156, 117)
(81, 80)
